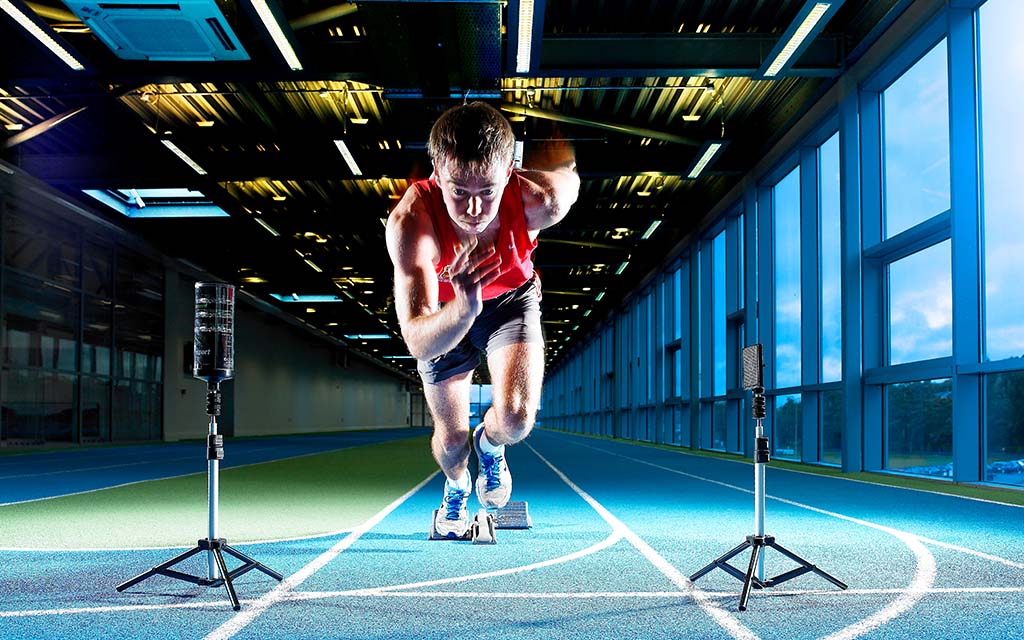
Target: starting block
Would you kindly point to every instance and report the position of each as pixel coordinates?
(482, 527)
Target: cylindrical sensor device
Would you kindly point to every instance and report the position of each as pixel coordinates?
(213, 356)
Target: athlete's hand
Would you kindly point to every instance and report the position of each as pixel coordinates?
(473, 269)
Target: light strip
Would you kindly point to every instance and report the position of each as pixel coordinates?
(46, 39)
(709, 153)
(367, 336)
(349, 159)
(599, 296)
(525, 33)
(277, 34)
(313, 266)
(181, 154)
(651, 229)
(622, 267)
(798, 38)
(266, 226)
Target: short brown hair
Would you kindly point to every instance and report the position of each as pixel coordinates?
(474, 135)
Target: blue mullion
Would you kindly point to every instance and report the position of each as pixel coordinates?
(965, 154)
(766, 296)
(868, 160)
(810, 302)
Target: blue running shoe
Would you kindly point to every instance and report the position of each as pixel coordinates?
(452, 518)
(494, 482)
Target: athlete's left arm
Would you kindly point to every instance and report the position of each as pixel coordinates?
(548, 195)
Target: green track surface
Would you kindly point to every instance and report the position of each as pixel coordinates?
(298, 497)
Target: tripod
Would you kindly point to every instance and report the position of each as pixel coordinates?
(217, 570)
(758, 542)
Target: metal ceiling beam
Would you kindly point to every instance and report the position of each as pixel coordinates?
(715, 55)
(556, 116)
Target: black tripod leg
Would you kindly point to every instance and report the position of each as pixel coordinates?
(808, 567)
(158, 569)
(252, 564)
(721, 561)
(227, 579)
(745, 593)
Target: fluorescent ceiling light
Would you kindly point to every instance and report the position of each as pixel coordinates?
(349, 160)
(294, 297)
(399, 357)
(266, 226)
(184, 157)
(42, 36)
(599, 296)
(818, 10)
(285, 47)
(622, 267)
(707, 154)
(651, 229)
(693, 117)
(367, 336)
(525, 36)
(313, 266)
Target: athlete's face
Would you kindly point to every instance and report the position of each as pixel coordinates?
(472, 197)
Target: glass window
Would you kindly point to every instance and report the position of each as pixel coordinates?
(1004, 422)
(1002, 90)
(831, 427)
(38, 406)
(719, 426)
(919, 433)
(921, 306)
(916, 143)
(39, 321)
(42, 246)
(786, 212)
(718, 313)
(830, 260)
(787, 426)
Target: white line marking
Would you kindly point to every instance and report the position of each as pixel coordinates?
(684, 452)
(924, 572)
(183, 475)
(611, 540)
(519, 595)
(734, 627)
(278, 593)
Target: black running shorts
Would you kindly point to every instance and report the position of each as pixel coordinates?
(511, 317)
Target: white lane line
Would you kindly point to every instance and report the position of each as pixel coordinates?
(937, 543)
(611, 540)
(588, 595)
(28, 613)
(242, 619)
(183, 475)
(924, 571)
(727, 621)
(519, 595)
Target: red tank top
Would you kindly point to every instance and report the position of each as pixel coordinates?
(513, 242)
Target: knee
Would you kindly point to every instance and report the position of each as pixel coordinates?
(451, 441)
(516, 421)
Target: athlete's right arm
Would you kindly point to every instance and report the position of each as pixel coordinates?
(428, 329)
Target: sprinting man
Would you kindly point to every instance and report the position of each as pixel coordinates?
(462, 246)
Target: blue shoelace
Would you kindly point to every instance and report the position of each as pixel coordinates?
(453, 500)
(492, 470)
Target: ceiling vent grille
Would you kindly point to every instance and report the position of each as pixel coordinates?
(186, 30)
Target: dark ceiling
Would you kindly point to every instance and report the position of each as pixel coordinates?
(636, 87)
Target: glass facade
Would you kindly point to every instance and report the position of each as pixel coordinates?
(895, 216)
(83, 335)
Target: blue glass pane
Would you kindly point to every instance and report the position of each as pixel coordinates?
(1004, 428)
(1002, 91)
(916, 135)
(830, 261)
(787, 427)
(718, 312)
(831, 427)
(786, 210)
(919, 418)
(921, 306)
(719, 427)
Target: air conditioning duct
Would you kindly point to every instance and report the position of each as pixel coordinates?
(181, 30)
